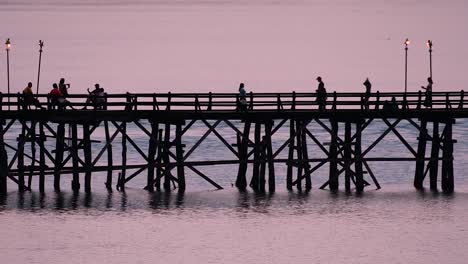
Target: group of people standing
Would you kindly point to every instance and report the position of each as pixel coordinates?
(321, 96)
(58, 96)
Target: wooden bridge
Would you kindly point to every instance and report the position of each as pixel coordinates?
(42, 147)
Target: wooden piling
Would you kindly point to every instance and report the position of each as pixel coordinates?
(254, 183)
(3, 161)
(180, 158)
(20, 162)
(74, 153)
(59, 146)
(447, 162)
(151, 155)
(347, 156)
(421, 154)
(124, 156)
(87, 156)
(241, 180)
(358, 158)
(261, 178)
(434, 162)
(300, 161)
(333, 155)
(109, 156)
(32, 133)
(159, 160)
(167, 146)
(269, 153)
(42, 164)
(289, 181)
(305, 157)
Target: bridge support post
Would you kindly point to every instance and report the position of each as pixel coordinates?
(124, 157)
(305, 158)
(87, 156)
(32, 133)
(167, 146)
(20, 162)
(180, 159)
(333, 155)
(42, 164)
(159, 160)
(299, 147)
(151, 155)
(59, 145)
(3, 161)
(347, 156)
(434, 162)
(261, 179)
(421, 154)
(289, 181)
(271, 164)
(241, 181)
(74, 152)
(254, 183)
(447, 159)
(109, 156)
(358, 159)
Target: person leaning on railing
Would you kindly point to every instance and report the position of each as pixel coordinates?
(321, 94)
(96, 97)
(368, 86)
(57, 98)
(242, 98)
(29, 99)
(428, 93)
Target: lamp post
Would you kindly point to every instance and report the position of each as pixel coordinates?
(8, 46)
(41, 44)
(407, 42)
(429, 45)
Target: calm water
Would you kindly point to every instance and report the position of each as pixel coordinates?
(190, 46)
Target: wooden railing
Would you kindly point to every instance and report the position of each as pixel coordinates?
(231, 101)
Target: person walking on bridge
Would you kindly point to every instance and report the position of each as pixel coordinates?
(321, 94)
(428, 93)
(242, 98)
(368, 86)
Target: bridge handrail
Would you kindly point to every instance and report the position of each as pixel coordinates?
(226, 101)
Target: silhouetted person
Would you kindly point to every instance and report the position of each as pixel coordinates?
(96, 97)
(57, 98)
(368, 86)
(242, 97)
(394, 104)
(428, 93)
(321, 94)
(29, 98)
(63, 87)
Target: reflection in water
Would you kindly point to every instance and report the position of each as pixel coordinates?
(323, 202)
